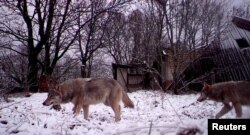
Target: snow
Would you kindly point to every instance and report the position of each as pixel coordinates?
(155, 112)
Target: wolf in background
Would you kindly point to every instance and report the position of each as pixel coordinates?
(235, 92)
(83, 92)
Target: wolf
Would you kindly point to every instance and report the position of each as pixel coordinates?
(235, 92)
(83, 92)
(44, 84)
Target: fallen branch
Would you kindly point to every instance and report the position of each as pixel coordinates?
(140, 128)
(192, 104)
(11, 104)
(150, 128)
(46, 113)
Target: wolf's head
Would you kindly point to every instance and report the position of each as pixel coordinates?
(54, 98)
(204, 92)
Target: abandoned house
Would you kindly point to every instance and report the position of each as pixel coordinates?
(226, 60)
(182, 61)
(223, 60)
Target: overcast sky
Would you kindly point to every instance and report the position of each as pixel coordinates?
(238, 2)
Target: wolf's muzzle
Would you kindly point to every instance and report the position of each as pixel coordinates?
(44, 103)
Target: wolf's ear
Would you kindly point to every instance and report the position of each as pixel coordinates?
(206, 87)
(57, 88)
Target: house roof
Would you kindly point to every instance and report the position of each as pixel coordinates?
(241, 23)
(128, 65)
(120, 66)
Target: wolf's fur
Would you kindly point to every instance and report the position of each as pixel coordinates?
(83, 92)
(235, 92)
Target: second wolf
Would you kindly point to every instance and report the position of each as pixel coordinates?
(85, 91)
(235, 92)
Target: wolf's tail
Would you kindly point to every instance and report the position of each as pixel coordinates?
(126, 100)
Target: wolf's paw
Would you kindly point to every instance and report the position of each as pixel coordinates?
(56, 107)
(87, 119)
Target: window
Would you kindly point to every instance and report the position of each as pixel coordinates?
(242, 43)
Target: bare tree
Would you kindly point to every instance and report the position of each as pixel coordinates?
(50, 28)
(29, 24)
(242, 10)
(14, 68)
(190, 25)
(91, 36)
(117, 38)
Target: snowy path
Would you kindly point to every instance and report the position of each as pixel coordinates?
(27, 116)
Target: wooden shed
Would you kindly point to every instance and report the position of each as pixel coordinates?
(130, 76)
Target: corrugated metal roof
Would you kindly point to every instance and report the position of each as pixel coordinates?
(241, 23)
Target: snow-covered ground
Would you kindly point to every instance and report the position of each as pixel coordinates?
(155, 113)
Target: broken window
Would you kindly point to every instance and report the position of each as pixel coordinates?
(242, 43)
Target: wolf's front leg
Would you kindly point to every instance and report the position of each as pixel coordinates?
(238, 109)
(226, 108)
(57, 107)
(86, 111)
(77, 108)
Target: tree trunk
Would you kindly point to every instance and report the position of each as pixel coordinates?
(32, 71)
(83, 68)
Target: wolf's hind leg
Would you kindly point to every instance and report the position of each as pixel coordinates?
(117, 111)
(226, 108)
(238, 109)
(86, 111)
(107, 102)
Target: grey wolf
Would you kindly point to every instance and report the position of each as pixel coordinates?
(83, 92)
(235, 92)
